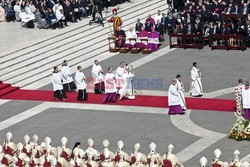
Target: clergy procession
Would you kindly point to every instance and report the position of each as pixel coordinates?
(36, 153)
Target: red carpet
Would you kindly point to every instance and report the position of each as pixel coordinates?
(147, 101)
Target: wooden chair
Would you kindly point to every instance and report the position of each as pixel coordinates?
(135, 49)
(147, 50)
(112, 41)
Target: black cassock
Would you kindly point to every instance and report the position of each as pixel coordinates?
(120, 42)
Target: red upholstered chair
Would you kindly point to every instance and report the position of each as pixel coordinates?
(167, 163)
(216, 165)
(89, 165)
(65, 155)
(133, 159)
(5, 161)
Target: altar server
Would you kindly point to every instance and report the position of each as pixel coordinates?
(196, 89)
(68, 83)
(119, 75)
(246, 101)
(58, 85)
(110, 87)
(81, 84)
(181, 89)
(98, 77)
(173, 99)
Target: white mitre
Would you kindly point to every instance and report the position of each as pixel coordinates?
(203, 162)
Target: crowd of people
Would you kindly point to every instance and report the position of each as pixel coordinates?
(242, 97)
(44, 154)
(224, 17)
(51, 13)
(207, 17)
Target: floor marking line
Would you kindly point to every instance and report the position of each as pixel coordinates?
(208, 137)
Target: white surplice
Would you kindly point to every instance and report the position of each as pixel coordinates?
(119, 76)
(97, 73)
(181, 94)
(126, 88)
(196, 85)
(57, 82)
(66, 75)
(129, 35)
(80, 80)
(173, 96)
(110, 83)
(246, 98)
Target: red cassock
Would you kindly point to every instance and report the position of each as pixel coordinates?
(65, 155)
(58, 164)
(216, 165)
(117, 158)
(8, 150)
(5, 161)
(133, 159)
(46, 164)
(19, 162)
(102, 157)
(32, 163)
(167, 163)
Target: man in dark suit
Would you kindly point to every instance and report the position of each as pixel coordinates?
(138, 25)
(148, 26)
(159, 28)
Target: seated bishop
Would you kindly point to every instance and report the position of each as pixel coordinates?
(107, 162)
(106, 148)
(61, 162)
(236, 162)
(21, 156)
(130, 34)
(9, 147)
(77, 160)
(154, 159)
(136, 151)
(27, 145)
(138, 161)
(49, 154)
(66, 152)
(91, 149)
(121, 157)
(170, 159)
(216, 162)
(91, 160)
